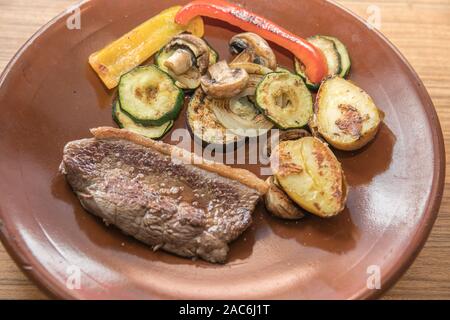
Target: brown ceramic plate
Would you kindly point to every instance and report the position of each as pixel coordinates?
(49, 96)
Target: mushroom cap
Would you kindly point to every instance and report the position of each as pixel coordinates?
(197, 46)
(223, 82)
(279, 204)
(254, 49)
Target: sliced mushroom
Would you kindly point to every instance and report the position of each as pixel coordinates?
(252, 48)
(240, 114)
(221, 81)
(185, 58)
(279, 204)
(179, 62)
(251, 68)
(184, 44)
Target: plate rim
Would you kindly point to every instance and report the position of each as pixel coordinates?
(48, 284)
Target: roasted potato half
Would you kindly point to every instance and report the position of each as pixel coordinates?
(279, 204)
(284, 135)
(345, 115)
(309, 173)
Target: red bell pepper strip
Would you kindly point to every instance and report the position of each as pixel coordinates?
(310, 56)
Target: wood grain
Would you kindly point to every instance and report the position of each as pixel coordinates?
(419, 28)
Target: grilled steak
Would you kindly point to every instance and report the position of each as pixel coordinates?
(147, 190)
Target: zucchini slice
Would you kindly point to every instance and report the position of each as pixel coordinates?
(307, 170)
(345, 115)
(346, 62)
(300, 70)
(285, 100)
(125, 122)
(282, 69)
(189, 80)
(202, 121)
(213, 54)
(149, 96)
(331, 53)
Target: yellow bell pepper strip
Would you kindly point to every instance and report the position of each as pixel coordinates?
(132, 49)
(310, 56)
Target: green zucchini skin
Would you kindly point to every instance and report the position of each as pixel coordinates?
(346, 62)
(125, 122)
(203, 123)
(159, 59)
(328, 47)
(170, 111)
(115, 113)
(213, 54)
(338, 52)
(282, 69)
(299, 69)
(275, 112)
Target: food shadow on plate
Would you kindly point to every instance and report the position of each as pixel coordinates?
(361, 166)
(112, 238)
(337, 234)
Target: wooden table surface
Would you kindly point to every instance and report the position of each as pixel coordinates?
(419, 28)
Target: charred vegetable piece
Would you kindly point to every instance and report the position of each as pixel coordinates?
(242, 117)
(345, 115)
(125, 122)
(284, 99)
(223, 82)
(331, 53)
(343, 53)
(250, 47)
(300, 70)
(149, 96)
(186, 58)
(239, 114)
(256, 73)
(336, 55)
(286, 135)
(281, 69)
(311, 57)
(251, 68)
(204, 124)
(279, 204)
(309, 173)
(188, 80)
(213, 55)
(133, 48)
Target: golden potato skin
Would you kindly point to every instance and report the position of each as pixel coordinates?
(279, 204)
(345, 116)
(309, 173)
(283, 135)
